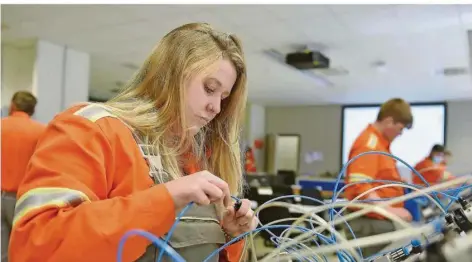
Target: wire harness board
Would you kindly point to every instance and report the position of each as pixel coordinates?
(439, 239)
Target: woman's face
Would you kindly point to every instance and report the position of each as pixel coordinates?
(205, 92)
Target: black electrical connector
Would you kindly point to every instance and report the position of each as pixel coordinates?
(461, 220)
(449, 219)
(416, 247)
(237, 205)
(464, 203)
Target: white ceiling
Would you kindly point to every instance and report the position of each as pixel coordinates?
(416, 42)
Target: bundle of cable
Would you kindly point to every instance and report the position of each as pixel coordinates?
(310, 227)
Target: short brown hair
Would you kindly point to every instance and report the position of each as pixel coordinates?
(438, 149)
(24, 101)
(398, 109)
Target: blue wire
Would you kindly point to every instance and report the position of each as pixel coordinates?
(342, 255)
(155, 240)
(457, 194)
(321, 202)
(343, 171)
(171, 231)
(177, 220)
(398, 183)
(163, 246)
(314, 200)
(217, 251)
(316, 242)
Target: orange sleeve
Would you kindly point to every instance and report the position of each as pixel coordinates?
(431, 173)
(418, 167)
(235, 251)
(69, 216)
(361, 169)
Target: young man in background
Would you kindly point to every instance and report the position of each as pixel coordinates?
(394, 116)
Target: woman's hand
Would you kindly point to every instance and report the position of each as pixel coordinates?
(238, 222)
(202, 188)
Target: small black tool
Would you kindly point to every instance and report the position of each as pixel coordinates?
(237, 205)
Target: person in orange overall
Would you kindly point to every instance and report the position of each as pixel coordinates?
(394, 116)
(20, 135)
(250, 161)
(433, 167)
(101, 170)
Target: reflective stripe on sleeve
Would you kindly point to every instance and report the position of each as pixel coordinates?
(93, 112)
(359, 177)
(54, 197)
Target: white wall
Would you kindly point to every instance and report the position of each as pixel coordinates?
(255, 129)
(77, 77)
(459, 136)
(57, 75)
(320, 130)
(17, 68)
(60, 78)
(48, 80)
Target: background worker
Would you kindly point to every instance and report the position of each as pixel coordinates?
(20, 135)
(394, 116)
(169, 139)
(447, 157)
(433, 167)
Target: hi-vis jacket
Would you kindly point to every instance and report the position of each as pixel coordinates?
(88, 184)
(431, 172)
(372, 167)
(20, 135)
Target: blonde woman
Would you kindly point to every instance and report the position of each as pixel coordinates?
(170, 138)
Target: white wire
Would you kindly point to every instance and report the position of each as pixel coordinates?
(300, 220)
(287, 232)
(350, 203)
(326, 225)
(379, 210)
(373, 240)
(393, 185)
(400, 221)
(368, 209)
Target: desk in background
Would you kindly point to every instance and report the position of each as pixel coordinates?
(325, 186)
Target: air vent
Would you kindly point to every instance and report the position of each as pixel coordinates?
(455, 71)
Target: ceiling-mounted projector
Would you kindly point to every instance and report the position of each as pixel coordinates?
(307, 60)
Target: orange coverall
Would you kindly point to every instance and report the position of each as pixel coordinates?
(372, 167)
(432, 173)
(20, 135)
(87, 184)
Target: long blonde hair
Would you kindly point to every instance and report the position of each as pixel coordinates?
(152, 103)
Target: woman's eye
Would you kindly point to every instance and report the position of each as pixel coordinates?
(209, 90)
